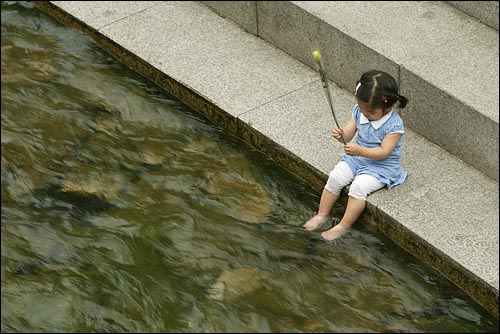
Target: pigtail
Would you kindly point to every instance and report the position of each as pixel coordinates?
(402, 100)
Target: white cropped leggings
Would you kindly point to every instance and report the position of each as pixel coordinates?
(361, 186)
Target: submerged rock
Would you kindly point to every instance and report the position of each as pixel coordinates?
(151, 156)
(86, 180)
(106, 124)
(204, 146)
(237, 283)
(89, 193)
(245, 198)
(91, 187)
(81, 201)
(27, 63)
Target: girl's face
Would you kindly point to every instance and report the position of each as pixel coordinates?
(373, 114)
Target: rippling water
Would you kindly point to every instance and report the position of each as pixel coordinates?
(125, 210)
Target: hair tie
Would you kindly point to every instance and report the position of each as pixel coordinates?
(384, 98)
(357, 88)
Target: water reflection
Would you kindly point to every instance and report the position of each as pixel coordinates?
(124, 210)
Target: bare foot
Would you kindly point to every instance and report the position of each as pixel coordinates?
(335, 232)
(316, 222)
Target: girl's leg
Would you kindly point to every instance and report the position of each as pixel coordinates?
(326, 203)
(362, 185)
(328, 200)
(354, 209)
(340, 176)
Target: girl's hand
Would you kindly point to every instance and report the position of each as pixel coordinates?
(352, 149)
(337, 133)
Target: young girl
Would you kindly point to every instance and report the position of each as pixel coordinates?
(373, 161)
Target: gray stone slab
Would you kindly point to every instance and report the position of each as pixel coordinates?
(466, 69)
(302, 122)
(290, 28)
(346, 59)
(484, 11)
(216, 58)
(98, 14)
(243, 13)
(299, 32)
(439, 44)
(452, 125)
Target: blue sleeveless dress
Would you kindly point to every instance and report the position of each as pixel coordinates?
(370, 134)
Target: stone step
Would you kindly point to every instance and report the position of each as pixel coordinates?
(446, 213)
(445, 61)
(484, 11)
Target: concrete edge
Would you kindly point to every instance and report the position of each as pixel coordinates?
(481, 292)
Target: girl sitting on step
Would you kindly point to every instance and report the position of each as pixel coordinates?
(373, 161)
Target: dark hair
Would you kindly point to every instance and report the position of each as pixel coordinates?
(379, 89)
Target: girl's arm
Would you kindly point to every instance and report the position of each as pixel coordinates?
(347, 131)
(377, 153)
